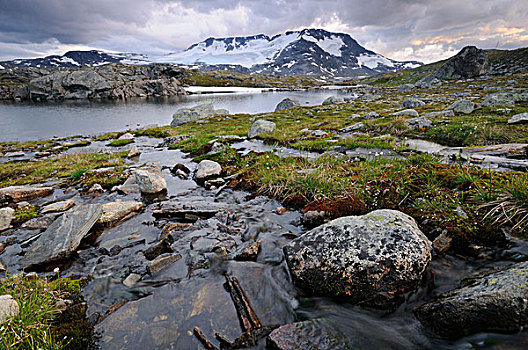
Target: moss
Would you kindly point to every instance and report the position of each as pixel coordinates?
(120, 143)
(23, 214)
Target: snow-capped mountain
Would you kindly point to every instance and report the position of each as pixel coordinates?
(305, 52)
(310, 51)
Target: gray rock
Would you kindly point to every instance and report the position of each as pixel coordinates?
(58, 206)
(134, 152)
(519, 119)
(17, 154)
(115, 211)
(354, 116)
(371, 258)
(8, 308)
(190, 210)
(95, 190)
(371, 115)
(24, 193)
(287, 103)
(38, 223)
(462, 106)
(408, 112)
(353, 127)
(162, 262)
(419, 123)
(491, 303)
(187, 115)
(406, 88)
(504, 99)
(130, 186)
(207, 169)
(126, 136)
(333, 100)
(132, 279)
(63, 236)
(306, 335)
(150, 182)
(445, 113)
(469, 62)
(6, 216)
(260, 127)
(412, 102)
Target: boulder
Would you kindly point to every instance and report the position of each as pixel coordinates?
(24, 193)
(504, 99)
(8, 308)
(134, 152)
(468, 63)
(149, 182)
(6, 216)
(406, 88)
(445, 113)
(353, 127)
(115, 211)
(333, 100)
(419, 123)
(63, 236)
(462, 106)
(287, 103)
(371, 115)
(372, 259)
(412, 102)
(521, 118)
(407, 112)
(207, 169)
(58, 206)
(496, 302)
(187, 115)
(305, 335)
(126, 136)
(260, 127)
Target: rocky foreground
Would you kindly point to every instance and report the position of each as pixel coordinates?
(387, 217)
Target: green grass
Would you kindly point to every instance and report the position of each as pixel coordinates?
(23, 214)
(120, 143)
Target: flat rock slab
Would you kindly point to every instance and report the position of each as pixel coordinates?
(115, 211)
(494, 302)
(306, 335)
(58, 206)
(63, 236)
(190, 210)
(24, 193)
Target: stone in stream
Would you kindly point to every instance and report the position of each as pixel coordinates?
(406, 112)
(374, 258)
(150, 182)
(333, 100)
(161, 262)
(207, 169)
(134, 152)
(6, 216)
(189, 211)
(287, 103)
(412, 102)
(419, 123)
(126, 136)
(115, 211)
(24, 193)
(130, 186)
(38, 223)
(521, 118)
(63, 236)
(260, 127)
(58, 206)
(306, 335)
(462, 106)
(8, 307)
(496, 302)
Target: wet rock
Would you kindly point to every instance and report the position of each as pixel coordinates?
(333, 100)
(408, 112)
(313, 218)
(63, 236)
(353, 127)
(371, 115)
(95, 190)
(260, 127)
(6, 216)
(446, 113)
(213, 184)
(161, 262)
(58, 206)
(207, 169)
(17, 154)
(419, 123)
(188, 211)
(250, 252)
(496, 302)
(181, 171)
(163, 246)
(373, 258)
(186, 115)
(134, 152)
(150, 182)
(442, 243)
(173, 140)
(115, 211)
(24, 193)
(126, 136)
(132, 279)
(462, 106)
(8, 307)
(412, 102)
(130, 186)
(38, 223)
(287, 103)
(519, 119)
(304, 335)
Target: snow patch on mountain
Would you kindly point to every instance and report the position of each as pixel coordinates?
(373, 61)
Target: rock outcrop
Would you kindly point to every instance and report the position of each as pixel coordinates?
(23, 193)
(373, 258)
(494, 302)
(468, 63)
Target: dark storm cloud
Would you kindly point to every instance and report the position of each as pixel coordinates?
(424, 29)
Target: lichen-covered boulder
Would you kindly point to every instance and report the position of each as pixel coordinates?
(333, 100)
(521, 118)
(260, 127)
(150, 182)
(494, 302)
(419, 123)
(462, 106)
(287, 103)
(412, 102)
(373, 258)
(207, 169)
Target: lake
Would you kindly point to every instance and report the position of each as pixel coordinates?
(25, 121)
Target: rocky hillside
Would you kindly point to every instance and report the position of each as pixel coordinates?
(112, 81)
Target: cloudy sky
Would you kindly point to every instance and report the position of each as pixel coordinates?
(426, 30)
